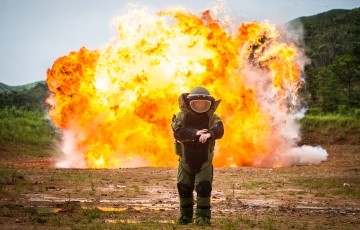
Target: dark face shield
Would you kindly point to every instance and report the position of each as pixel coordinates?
(200, 103)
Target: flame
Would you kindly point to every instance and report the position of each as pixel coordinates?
(118, 102)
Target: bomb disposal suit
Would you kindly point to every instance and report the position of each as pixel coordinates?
(195, 130)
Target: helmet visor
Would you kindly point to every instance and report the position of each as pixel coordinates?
(200, 106)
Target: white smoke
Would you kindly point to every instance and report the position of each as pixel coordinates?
(305, 155)
(72, 157)
(285, 122)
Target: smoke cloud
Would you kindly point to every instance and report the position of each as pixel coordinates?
(285, 120)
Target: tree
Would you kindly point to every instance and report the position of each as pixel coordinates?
(347, 69)
(328, 91)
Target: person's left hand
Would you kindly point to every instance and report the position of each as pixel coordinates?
(203, 137)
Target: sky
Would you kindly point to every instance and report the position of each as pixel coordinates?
(34, 33)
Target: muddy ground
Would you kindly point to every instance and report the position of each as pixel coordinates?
(35, 195)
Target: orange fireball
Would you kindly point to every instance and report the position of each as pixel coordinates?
(117, 103)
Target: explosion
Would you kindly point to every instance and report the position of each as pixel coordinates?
(115, 105)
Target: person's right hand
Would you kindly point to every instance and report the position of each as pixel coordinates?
(200, 132)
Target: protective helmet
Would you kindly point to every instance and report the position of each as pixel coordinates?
(199, 100)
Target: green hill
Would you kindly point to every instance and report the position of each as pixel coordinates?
(8, 89)
(332, 42)
(30, 96)
(330, 34)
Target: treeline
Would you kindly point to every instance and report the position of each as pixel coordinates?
(332, 42)
(25, 99)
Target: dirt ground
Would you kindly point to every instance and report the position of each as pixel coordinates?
(36, 195)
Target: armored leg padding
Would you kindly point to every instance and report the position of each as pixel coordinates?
(185, 191)
(203, 213)
(186, 207)
(203, 207)
(203, 189)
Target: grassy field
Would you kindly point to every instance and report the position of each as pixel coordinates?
(330, 128)
(28, 132)
(25, 127)
(331, 123)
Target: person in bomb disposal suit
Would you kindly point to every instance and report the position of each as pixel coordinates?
(195, 130)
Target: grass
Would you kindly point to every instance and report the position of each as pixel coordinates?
(12, 180)
(331, 122)
(251, 185)
(91, 214)
(240, 222)
(334, 127)
(75, 175)
(324, 187)
(25, 127)
(10, 176)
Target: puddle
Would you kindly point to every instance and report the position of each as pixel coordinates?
(261, 203)
(153, 209)
(220, 206)
(314, 209)
(112, 209)
(156, 203)
(128, 221)
(49, 198)
(109, 205)
(170, 203)
(112, 188)
(136, 208)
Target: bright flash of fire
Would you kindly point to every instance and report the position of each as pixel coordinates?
(116, 104)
